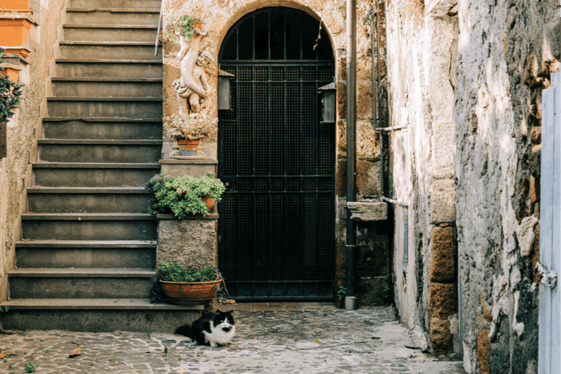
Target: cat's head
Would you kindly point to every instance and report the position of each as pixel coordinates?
(224, 319)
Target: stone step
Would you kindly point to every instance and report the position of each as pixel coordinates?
(88, 226)
(80, 283)
(109, 50)
(113, 16)
(102, 128)
(87, 200)
(100, 68)
(97, 315)
(108, 87)
(125, 33)
(86, 254)
(67, 174)
(119, 107)
(95, 150)
(154, 4)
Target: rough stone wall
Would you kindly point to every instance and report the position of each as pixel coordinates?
(25, 128)
(506, 52)
(220, 15)
(421, 47)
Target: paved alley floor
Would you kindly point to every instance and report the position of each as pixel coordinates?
(319, 339)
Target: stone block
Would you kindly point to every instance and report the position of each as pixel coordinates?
(442, 202)
(442, 263)
(483, 350)
(442, 339)
(442, 300)
(440, 8)
(362, 211)
(191, 242)
(194, 168)
(368, 178)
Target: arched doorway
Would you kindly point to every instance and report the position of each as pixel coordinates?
(277, 217)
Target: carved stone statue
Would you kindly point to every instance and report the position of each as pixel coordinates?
(192, 88)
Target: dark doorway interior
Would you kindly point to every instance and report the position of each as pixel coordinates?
(277, 218)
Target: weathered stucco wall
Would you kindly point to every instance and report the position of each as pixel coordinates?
(421, 47)
(220, 15)
(25, 128)
(506, 52)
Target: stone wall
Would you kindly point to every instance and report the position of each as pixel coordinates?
(221, 15)
(421, 47)
(506, 53)
(25, 127)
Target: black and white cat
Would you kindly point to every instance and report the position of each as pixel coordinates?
(216, 329)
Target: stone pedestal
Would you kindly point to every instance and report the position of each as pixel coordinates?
(191, 241)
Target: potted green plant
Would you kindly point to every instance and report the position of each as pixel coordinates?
(185, 286)
(10, 93)
(184, 195)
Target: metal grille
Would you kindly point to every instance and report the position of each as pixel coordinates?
(277, 217)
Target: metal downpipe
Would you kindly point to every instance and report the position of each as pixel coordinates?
(350, 299)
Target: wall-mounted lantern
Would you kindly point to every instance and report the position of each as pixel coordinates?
(224, 89)
(328, 103)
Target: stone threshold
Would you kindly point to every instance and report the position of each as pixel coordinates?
(210, 216)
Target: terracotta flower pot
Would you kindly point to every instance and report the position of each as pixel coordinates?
(188, 145)
(193, 293)
(209, 201)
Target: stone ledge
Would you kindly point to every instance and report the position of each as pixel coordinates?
(210, 216)
(195, 161)
(371, 211)
(440, 8)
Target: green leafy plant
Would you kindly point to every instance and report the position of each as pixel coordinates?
(183, 195)
(177, 273)
(341, 292)
(184, 25)
(30, 368)
(4, 309)
(10, 93)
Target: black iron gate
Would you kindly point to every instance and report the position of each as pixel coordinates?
(277, 217)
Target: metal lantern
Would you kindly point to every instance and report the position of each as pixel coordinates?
(328, 103)
(224, 90)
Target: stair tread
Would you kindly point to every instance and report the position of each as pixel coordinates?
(100, 190)
(81, 273)
(109, 99)
(120, 304)
(101, 141)
(88, 216)
(103, 26)
(94, 165)
(100, 43)
(102, 119)
(86, 244)
(107, 79)
(107, 61)
(115, 10)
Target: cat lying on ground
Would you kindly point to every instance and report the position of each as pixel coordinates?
(214, 329)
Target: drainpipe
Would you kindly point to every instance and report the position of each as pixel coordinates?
(350, 299)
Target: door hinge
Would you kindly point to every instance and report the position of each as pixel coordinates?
(548, 278)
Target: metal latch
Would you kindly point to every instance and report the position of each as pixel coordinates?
(548, 278)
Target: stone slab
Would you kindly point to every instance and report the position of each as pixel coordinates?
(361, 211)
(195, 168)
(442, 263)
(191, 242)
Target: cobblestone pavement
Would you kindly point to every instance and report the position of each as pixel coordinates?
(324, 340)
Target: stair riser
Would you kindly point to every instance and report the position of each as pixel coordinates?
(99, 153)
(101, 130)
(78, 288)
(98, 320)
(155, 4)
(123, 52)
(108, 89)
(123, 109)
(87, 203)
(92, 177)
(112, 18)
(88, 230)
(143, 258)
(90, 70)
(109, 35)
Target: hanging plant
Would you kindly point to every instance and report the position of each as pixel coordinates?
(184, 25)
(10, 93)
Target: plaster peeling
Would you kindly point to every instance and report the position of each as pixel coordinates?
(499, 304)
(525, 235)
(517, 326)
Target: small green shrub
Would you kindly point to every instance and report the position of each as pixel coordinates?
(183, 195)
(177, 273)
(4, 309)
(341, 292)
(10, 93)
(30, 368)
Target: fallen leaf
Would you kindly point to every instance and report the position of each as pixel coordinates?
(2, 355)
(75, 352)
(79, 218)
(181, 369)
(316, 341)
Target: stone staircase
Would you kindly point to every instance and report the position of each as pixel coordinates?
(89, 247)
